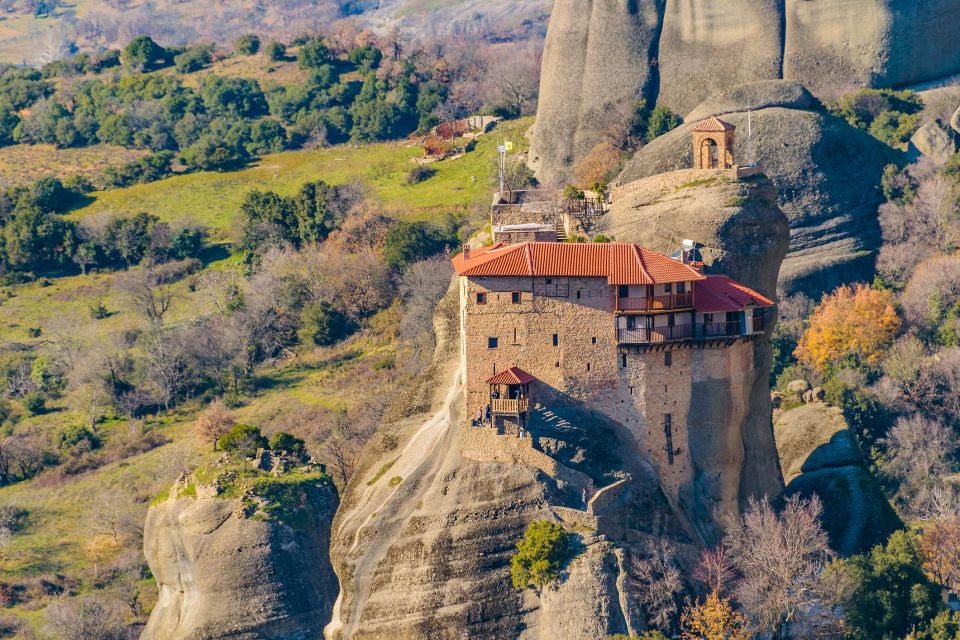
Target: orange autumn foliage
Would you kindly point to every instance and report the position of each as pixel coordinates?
(714, 619)
(855, 325)
(940, 550)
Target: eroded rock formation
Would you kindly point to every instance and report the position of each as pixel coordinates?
(820, 457)
(679, 52)
(225, 574)
(826, 172)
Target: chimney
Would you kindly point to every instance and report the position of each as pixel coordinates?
(466, 252)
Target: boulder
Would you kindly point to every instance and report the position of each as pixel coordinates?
(826, 172)
(935, 141)
(798, 387)
(224, 574)
(955, 121)
(819, 456)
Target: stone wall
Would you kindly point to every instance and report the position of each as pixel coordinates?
(672, 179)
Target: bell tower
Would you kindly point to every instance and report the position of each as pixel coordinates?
(713, 143)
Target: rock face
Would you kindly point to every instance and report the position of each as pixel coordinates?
(741, 233)
(223, 574)
(820, 457)
(600, 52)
(934, 140)
(827, 176)
(679, 52)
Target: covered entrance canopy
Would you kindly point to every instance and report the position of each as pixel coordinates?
(510, 391)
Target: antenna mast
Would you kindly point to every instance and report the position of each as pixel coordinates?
(501, 162)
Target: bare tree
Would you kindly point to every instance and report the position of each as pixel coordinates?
(779, 558)
(150, 291)
(919, 451)
(86, 618)
(715, 570)
(656, 578)
(167, 355)
(517, 79)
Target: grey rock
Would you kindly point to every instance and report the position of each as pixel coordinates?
(818, 393)
(935, 141)
(223, 575)
(798, 387)
(827, 174)
(808, 396)
(955, 121)
(819, 456)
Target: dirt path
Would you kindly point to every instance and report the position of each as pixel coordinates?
(383, 509)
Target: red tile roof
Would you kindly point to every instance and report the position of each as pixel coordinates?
(620, 263)
(714, 125)
(720, 293)
(513, 375)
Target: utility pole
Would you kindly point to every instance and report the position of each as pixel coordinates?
(750, 135)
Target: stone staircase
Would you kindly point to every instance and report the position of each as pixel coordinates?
(551, 418)
(561, 232)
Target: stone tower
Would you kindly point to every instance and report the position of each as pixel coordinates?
(713, 142)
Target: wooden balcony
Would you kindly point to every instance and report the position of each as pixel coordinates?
(509, 407)
(644, 335)
(657, 303)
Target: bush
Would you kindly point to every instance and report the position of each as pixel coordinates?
(662, 120)
(412, 241)
(194, 58)
(35, 403)
(543, 551)
(323, 325)
(313, 54)
(894, 128)
(275, 51)
(143, 54)
(420, 173)
(247, 44)
(283, 442)
(243, 441)
(79, 438)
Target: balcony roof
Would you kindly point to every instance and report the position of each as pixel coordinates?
(720, 293)
(513, 375)
(620, 263)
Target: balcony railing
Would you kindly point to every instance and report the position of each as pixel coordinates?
(644, 335)
(504, 405)
(656, 303)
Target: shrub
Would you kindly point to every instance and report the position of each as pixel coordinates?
(412, 241)
(662, 120)
(35, 403)
(599, 165)
(543, 551)
(275, 51)
(143, 54)
(324, 325)
(283, 442)
(247, 44)
(79, 438)
(243, 441)
(313, 54)
(894, 128)
(194, 58)
(420, 173)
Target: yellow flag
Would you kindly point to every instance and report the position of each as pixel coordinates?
(508, 145)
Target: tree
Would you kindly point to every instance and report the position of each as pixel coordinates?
(412, 241)
(143, 54)
(779, 558)
(313, 53)
(662, 120)
(715, 569)
(288, 444)
(150, 291)
(247, 44)
(324, 325)
(888, 595)
(243, 441)
(940, 551)
(213, 423)
(541, 553)
(658, 582)
(714, 619)
(919, 450)
(853, 325)
(275, 51)
(86, 618)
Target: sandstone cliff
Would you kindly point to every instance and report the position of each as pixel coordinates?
(252, 567)
(827, 176)
(679, 52)
(820, 456)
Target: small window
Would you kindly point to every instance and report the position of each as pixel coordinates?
(623, 291)
(491, 343)
(681, 287)
(481, 297)
(557, 365)
(668, 435)
(549, 280)
(578, 294)
(588, 366)
(515, 297)
(668, 358)
(556, 340)
(623, 361)
(514, 335)
(593, 340)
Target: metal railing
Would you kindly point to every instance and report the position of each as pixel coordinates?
(505, 405)
(656, 303)
(718, 329)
